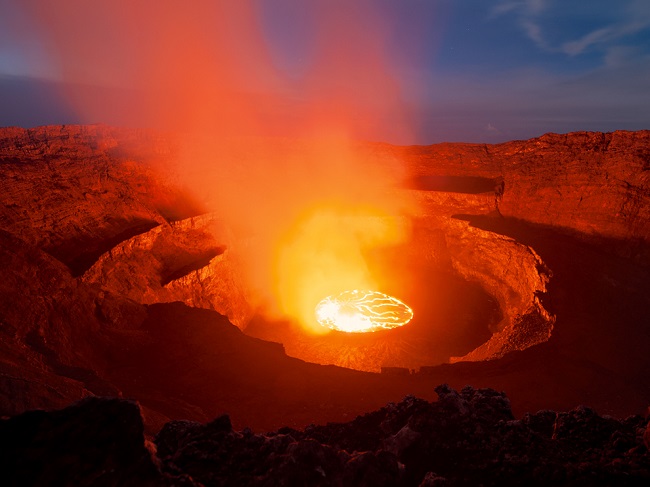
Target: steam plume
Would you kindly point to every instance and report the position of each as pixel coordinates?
(280, 168)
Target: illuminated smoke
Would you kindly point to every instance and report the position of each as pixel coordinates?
(208, 66)
(280, 169)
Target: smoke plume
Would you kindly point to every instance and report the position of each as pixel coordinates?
(270, 152)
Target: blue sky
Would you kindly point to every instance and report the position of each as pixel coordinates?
(466, 70)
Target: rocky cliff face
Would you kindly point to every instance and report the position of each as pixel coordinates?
(76, 191)
(593, 183)
(188, 260)
(105, 185)
(53, 330)
(511, 272)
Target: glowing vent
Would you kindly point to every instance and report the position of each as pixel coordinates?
(362, 311)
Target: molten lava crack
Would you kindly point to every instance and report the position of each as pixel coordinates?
(362, 311)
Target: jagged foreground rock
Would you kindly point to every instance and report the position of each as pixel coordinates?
(465, 438)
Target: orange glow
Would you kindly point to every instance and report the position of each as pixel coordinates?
(206, 66)
(304, 201)
(324, 255)
(362, 311)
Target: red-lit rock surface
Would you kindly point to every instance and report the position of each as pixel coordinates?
(594, 183)
(452, 317)
(76, 191)
(94, 228)
(187, 260)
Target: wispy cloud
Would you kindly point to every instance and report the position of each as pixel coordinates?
(617, 56)
(533, 18)
(534, 33)
(604, 36)
(527, 12)
(530, 7)
(503, 8)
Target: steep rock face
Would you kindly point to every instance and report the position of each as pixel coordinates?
(451, 316)
(594, 173)
(511, 272)
(594, 183)
(51, 326)
(189, 260)
(63, 339)
(219, 286)
(76, 191)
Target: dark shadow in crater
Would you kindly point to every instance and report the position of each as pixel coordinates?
(457, 184)
(80, 255)
(451, 317)
(599, 292)
(186, 263)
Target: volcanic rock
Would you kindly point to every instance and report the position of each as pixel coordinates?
(95, 230)
(64, 339)
(52, 330)
(188, 260)
(511, 272)
(465, 438)
(190, 363)
(94, 442)
(589, 182)
(76, 191)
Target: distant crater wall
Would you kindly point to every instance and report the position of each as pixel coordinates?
(591, 182)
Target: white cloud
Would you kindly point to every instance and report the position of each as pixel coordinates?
(604, 35)
(533, 17)
(527, 12)
(578, 46)
(534, 33)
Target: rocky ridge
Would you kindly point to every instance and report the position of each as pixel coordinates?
(596, 183)
(465, 438)
(77, 191)
(189, 260)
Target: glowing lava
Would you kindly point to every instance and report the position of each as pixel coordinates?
(362, 311)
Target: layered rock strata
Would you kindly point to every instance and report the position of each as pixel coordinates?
(191, 261)
(76, 191)
(594, 183)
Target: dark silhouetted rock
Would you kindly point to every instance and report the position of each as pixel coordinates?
(465, 438)
(94, 442)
